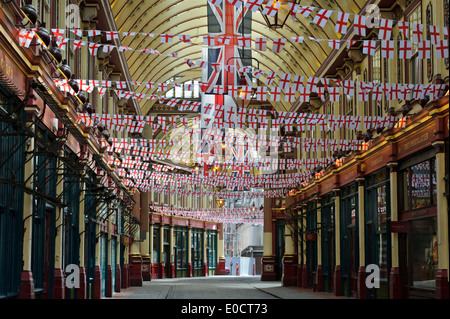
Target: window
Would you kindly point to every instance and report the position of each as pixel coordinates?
(415, 64)
(424, 255)
(376, 79)
(419, 185)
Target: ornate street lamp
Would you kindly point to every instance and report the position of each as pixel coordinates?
(278, 20)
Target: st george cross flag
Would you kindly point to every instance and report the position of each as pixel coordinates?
(322, 17)
(25, 37)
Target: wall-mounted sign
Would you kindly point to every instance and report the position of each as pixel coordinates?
(399, 227)
(310, 236)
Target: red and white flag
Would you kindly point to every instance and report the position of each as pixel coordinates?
(261, 44)
(322, 17)
(25, 37)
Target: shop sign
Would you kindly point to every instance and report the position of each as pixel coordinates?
(399, 227)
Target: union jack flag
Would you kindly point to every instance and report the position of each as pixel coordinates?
(230, 21)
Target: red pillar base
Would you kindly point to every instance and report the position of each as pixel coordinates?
(126, 277)
(155, 271)
(146, 269)
(205, 270)
(81, 292)
(26, 285)
(442, 284)
(319, 279)
(97, 283)
(362, 289)
(109, 278)
(118, 279)
(395, 284)
(221, 267)
(58, 284)
(289, 277)
(268, 269)
(172, 270)
(136, 271)
(190, 270)
(162, 269)
(337, 281)
(304, 276)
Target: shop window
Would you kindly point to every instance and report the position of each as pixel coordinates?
(419, 185)
(424, 254)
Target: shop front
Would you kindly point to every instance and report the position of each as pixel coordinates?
(327, 241)
(349, 239)
(377, 232)
(418, 243)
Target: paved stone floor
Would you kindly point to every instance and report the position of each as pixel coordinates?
(218, 287)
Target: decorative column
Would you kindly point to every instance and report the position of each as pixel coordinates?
(268, 259)
(190, 269)
(395, 284)
(58, 279)
(150, 247)
(205, 253)
(161, 250)
(300, 248)
(220, 252)
(26, 281)
(362, 289)
(97, 294)
(319, 274)
(442, 283)
(109, 274)
(337, 224)
(126, 263)
(289, 275)
(82, 291)
(172, 252)
(118, 270)
(145, 238)
(135, 253)
(304, 250)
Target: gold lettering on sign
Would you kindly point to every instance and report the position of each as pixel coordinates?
(415, 142)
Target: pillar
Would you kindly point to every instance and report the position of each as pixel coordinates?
(82, 291)
(337, 225)
(319, 274)
(135, 253)
(26, 280)
(304, 275)
(172, 252)
(161, 251)
(190, 268)
(126, 264)
(362, 289)
(395, 284)
(220, 251)
(442, 283)
(268, 259)
(150, 248)
(289, 275)
(58, 279)
(117, 286)
(97, 293)
(109, 270)
(205, 253)
(145, 238)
